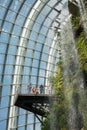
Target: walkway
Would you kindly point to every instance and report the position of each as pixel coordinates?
(36, 103)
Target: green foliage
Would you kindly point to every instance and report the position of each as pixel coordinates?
(76, 22)
(51, 80)
(57, 118)
(46, 125)
(82, 50)
(82, 53)
(81, 42)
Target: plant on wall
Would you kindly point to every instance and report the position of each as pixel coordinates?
(81, 41)
(82, 50)
(57, 120)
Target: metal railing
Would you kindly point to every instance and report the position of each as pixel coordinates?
(25, 90)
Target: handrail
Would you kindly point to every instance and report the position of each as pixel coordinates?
(23, 89)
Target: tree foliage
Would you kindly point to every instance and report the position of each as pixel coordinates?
(57, 119)
(82, 53)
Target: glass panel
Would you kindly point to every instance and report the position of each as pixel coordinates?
(36, 27)
(4, 2)
(3, 47)
(47, 22)
(7, 79)
(14, 40)
(45, 57)
(15, 5)
(24, 10)
(38, 46)
(0, 78)
(21, 128)
(6, 90)
(34, 71)
(4, 37)
(12, 50)
(33, 80)
(31, 1)
(40, 81)
(29, 127)
(30, 118)
(29, 53)
(3, 113)
(44, 30)
(27, 61)
(21, 120)
(43, 65)
(3, 124)
(7, 27)
(1, 68)
(36, 55)
(46, 10)
(21, 111)
(41, 38)
(35, 63)
(48, 41)
(8, 69)
(60, 5)
(53, 14)
(2, 12)
(46, 49)
(2, 59)
(11, 16)
(40, 18)
(25, 79)
(52, 3)
(37, 126)
(33, 36)
(31, 44)
(51, 34)
(20, 20)
(26, 70)
(0, 24)
(5, 101)
(10, 59)
(17, 30)
(42, 73)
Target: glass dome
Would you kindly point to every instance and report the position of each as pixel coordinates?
(28, 53)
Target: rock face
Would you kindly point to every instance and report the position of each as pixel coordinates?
(73, 8)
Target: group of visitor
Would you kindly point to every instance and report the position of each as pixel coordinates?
(35, 90)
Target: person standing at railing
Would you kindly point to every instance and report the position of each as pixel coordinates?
(41, 89)
(33, 90)
(29, 87)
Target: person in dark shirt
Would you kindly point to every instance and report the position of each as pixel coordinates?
(29, 86)
(41, 89)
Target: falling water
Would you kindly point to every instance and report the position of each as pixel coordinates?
(73, 81)
(75, 87)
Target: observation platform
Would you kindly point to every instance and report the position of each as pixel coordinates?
(36, 103)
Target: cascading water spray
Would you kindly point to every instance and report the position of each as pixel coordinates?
(73, 77)
(73, 115)
(75, 93)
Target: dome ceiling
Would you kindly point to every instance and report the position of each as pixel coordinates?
(28, 40)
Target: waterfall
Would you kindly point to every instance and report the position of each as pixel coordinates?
(73, 80)
(75, 89)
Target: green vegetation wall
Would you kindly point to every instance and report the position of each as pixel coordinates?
(81, 41)
(57, 120)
